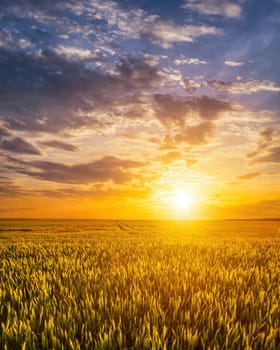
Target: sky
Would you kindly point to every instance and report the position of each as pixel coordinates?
(141, 109)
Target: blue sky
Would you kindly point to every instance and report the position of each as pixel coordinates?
(104, 101)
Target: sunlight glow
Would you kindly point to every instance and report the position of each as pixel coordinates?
(181, 200)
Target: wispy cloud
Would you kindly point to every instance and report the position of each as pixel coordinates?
(248, 176)
(191, 85)
(242, 86)
(168, 33)
(172, 156)
(60, 145)
(9, 189)
(15, 209)
(104, 169)
(267, 149)
(226, 8)
(182, 60)
(231, 63)
(19, 145)
(74, 53)
(272, 155)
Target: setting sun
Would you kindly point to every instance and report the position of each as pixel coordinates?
(181, 200)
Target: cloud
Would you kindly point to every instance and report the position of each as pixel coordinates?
(267, 150)
(72, 53)
(226, 8)
(11, 210)
(263, 208)
(182, 60)
(9, 189)
(271, 156)
(48, 93)
(8, 39)
(249, 210)
(191, 85)
(233, 63)
(168, 33)
(36, 3)
(58, 86)
(44, 93)
(18, 145)
(188, 120)
(210, 108)
(195, 135)
(4, 132)
(105, 20)
(242, 86)
(248, 176)
(102, 170)
(94, 191)
(136, 72)
(170, 110)
(172, 156)
(60, 145)
(268, 137)
(174, 111)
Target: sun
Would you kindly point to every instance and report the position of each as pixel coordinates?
(181, 200)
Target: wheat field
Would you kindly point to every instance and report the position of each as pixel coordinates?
(139, 284)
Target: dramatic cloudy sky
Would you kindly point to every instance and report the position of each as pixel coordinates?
(109, 107)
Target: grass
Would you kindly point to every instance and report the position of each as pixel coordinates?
(137, 285)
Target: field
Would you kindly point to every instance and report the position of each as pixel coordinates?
(139, 285)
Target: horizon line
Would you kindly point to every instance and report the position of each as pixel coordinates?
(177, 219)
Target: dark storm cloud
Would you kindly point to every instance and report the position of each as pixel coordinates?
(60, 145)
(18, 145)
(105, 169)
(46, 92)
